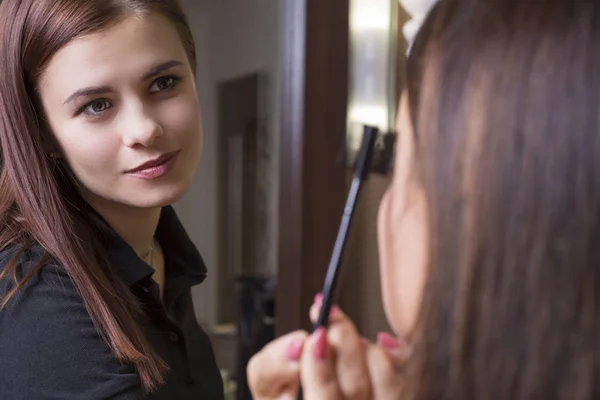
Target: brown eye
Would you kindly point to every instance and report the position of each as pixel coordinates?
(163, 84)
(96, 107)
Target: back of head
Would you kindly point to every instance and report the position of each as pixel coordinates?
(40, 201)
(504, 96)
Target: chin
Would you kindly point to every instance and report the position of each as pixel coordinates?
(158, 198)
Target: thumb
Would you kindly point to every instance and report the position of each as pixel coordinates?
(317, 373)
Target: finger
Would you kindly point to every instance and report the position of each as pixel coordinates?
(351, 365)
(384, 373)
(318, 373)
(335, 315)
(275, 370)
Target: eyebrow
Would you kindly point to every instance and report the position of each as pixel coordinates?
(161, 68)
(94, 91)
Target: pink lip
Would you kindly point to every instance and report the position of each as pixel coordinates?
(155, 168)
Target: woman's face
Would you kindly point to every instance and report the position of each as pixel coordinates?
(402, 231)
(119, 99)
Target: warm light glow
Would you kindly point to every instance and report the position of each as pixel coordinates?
(368, 17)
(369, 115)
(371, 28)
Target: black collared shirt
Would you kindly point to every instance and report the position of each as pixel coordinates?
(50, 349)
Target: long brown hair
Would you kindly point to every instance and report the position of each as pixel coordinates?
(39, 200)
(505, 99)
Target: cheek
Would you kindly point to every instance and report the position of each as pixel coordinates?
(411, 245)
(388, 262)
(87, 151)
(402, 253)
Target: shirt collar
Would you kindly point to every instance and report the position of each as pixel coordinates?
(183, 257)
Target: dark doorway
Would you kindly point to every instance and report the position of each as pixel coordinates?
(245, 308)
(238, 102)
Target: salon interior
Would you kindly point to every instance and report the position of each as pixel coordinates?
(286, 89)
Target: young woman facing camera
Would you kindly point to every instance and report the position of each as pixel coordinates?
(489, 234)
(99, 135)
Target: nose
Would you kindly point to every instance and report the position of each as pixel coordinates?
(140, 127)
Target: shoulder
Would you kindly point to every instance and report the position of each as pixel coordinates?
(48, 341)
(25, 256)
(22, 262)
(49, 287)
(51, 284)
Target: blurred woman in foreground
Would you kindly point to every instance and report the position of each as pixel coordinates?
(489, 233)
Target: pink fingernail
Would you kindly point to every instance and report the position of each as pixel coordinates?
(320, 346)
(335, 312)
(388, 341)
(318, 301)
(294, 350)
